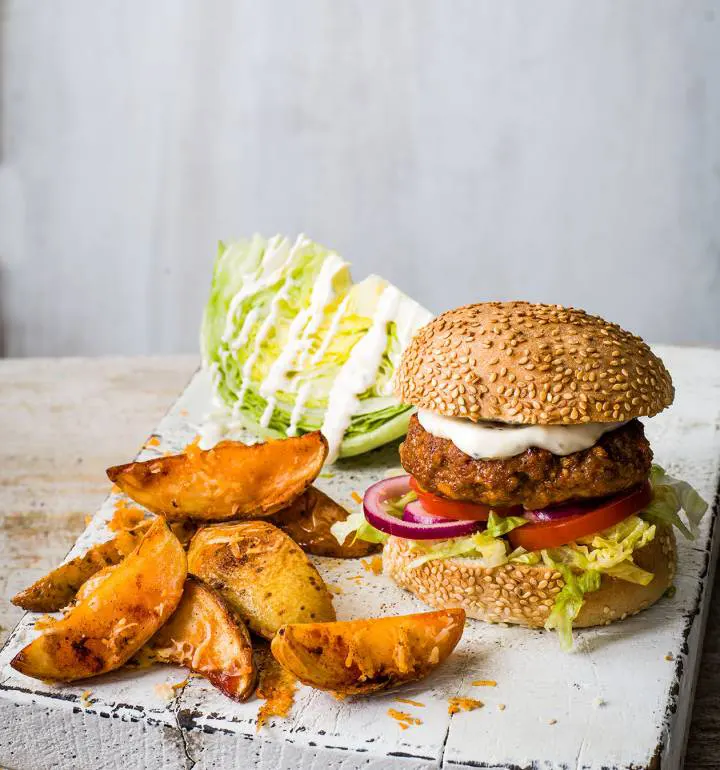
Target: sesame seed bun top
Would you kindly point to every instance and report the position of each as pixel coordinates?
(524, 363)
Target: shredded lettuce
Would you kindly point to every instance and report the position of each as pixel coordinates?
(609, 551)
(569, 601)
(488, 550)
(521, 556)
(357, 523)
(670, 496)
(497, 526)
(281, 322)
(395, 507)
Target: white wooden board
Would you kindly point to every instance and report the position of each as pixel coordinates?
(621, 700)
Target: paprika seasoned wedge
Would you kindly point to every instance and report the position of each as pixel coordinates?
(110, 623)
(230, 481)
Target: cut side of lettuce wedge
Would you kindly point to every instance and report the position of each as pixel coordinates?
(293, 345)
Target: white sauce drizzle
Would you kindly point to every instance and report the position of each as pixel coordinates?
(305, 389)
(303, 326)
(244, 333)
(331, 332)
(484, 441)
(281, 295)
(269, 271)
(358, 373)
(299, 407)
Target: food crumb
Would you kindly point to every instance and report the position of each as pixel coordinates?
(85, 701)
(552, 721)
(410, 702)
(501, 707)
(356, 497)
(327, 475)
(484, 683)
(276, 687)
(179, 685)
(669, 656)
(404, 719)
(153, 441)
(125, 516)
(164, 691)
(192, 450)
(598, 703)
(374, 565)
(44, 621)
(463, 704)
(334, 589)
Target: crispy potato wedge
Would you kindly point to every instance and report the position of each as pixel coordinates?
(93, 583)
(113, 621)
(207, 637)
(359, 657)
(57, 589)
(262, 573)
(230, 481)
(308, 521)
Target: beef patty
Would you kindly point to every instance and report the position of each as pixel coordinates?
(535, 478)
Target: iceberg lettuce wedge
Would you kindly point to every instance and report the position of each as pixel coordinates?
(293, 345)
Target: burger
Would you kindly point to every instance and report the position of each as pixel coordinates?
(530, 495)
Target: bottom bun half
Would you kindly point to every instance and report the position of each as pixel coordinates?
(525, 594)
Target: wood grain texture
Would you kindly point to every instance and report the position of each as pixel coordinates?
(38, 468)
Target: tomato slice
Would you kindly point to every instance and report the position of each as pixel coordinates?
(550, 534)
(457, 509)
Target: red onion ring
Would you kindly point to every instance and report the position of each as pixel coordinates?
(374, 504)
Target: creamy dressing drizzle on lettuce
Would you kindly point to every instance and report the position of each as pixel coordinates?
(581, 563)
(293, 345)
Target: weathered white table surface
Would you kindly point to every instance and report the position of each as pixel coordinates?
(65, 421)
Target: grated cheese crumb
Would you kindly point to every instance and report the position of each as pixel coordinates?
(484, 683)
(403, 718)
(334, 589)
(153, 441)
(501, 707)
(552, 721)
(669, 656)
(373, 564)
(410, 702)
(463, 704)
(598, 703)
(85, 701)
(356, 497)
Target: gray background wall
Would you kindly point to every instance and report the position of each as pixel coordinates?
(559, 151)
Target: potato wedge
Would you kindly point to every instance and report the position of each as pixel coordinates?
(57, 589)
(230, 481)
(114, 621)
(207, 637)
(262, 573)
(308, 521)
(359, 657)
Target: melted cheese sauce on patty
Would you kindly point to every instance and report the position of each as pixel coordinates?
(494, 440)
